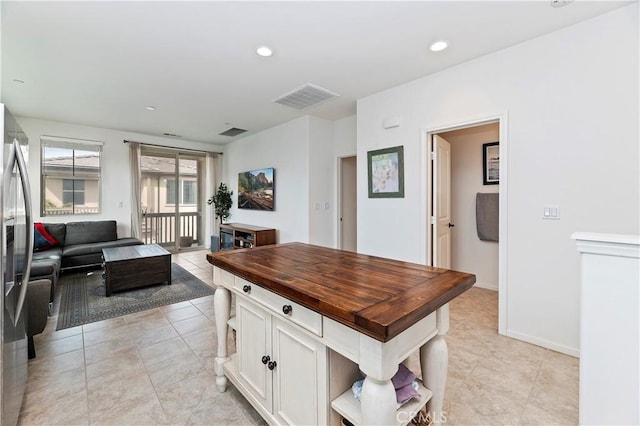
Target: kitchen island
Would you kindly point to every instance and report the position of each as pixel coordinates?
(309, 319)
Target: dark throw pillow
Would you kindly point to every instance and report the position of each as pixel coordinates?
(42, 240)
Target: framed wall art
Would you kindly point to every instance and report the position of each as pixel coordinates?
(256, 189)
(386, 172)
(491, 163)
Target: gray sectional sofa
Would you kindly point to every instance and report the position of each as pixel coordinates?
(77, 244)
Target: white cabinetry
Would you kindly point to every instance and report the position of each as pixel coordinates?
(254, 345)
(279, 366)
(300, 379)
(282, 361)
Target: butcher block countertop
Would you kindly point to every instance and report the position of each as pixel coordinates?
(378, 297)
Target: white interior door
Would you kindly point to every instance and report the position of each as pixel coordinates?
(441, 202)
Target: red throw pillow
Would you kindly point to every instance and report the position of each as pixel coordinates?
(42, 240)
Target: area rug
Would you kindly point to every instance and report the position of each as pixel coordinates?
(83, 296)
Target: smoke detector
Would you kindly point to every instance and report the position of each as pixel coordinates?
(560, 3)
(305, 97)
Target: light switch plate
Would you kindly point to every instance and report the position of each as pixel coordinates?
(551, 211)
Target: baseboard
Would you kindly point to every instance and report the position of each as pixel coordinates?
(544, 343)
(486, 286)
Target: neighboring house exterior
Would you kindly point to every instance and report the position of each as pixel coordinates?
(158, 185)
(71, 185)
(74, 183)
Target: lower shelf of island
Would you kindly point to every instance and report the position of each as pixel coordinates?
(349, 407)
(233, 323)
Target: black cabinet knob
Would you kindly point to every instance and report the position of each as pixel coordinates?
(246, 288)
(287, 309)
(265, 359)
(272, 365)
(450, 225)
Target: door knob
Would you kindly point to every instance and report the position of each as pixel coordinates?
(265, 359)
(450, 225)
(287, 309)
(272, 365)
(246, 288)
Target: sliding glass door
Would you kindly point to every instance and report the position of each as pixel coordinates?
(172, 198)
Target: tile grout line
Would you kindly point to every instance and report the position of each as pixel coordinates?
(86, 378)
(524, 408)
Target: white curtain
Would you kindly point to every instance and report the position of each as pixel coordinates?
(213, 179)
(134, 166)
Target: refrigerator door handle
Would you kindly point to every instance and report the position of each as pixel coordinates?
(17, 157)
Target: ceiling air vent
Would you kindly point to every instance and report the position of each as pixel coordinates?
(306, 97)
(234, 131)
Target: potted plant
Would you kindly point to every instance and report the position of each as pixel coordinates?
(222, 202)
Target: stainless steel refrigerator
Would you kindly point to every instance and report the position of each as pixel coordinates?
(16, 253)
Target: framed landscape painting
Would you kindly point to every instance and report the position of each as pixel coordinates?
(256, 189)
(386, 172)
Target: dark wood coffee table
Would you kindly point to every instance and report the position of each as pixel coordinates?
(135, 266)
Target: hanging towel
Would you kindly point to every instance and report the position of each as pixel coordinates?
(487, 215)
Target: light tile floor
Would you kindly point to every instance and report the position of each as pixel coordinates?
(156, 367)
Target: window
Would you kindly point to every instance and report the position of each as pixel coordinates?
(72, 191)
(189, 193)
(70, 177)
(171, 191)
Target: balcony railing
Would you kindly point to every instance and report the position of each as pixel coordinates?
(160, 228)
(61, 211)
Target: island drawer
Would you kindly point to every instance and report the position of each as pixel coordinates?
(283, 307)
(223, 278)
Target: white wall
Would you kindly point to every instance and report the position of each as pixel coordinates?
(115, 176)
(571, 102)
(304, 154)
(286, 149)
(469, 253)
(322, 208)
(344, 137)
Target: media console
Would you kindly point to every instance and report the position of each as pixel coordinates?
(240, 235)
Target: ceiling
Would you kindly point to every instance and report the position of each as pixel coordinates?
(101, 63)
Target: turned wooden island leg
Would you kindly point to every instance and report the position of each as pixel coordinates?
(378, 397)
(434, 362)
(378, 402)
(222, 310)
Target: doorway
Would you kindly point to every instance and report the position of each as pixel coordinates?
(347, 199)
(172, 198)
(453, 240)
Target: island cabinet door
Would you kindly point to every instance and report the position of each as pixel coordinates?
(254, 351)
(300, 377)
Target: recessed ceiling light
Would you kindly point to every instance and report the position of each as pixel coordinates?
(150, 108)
(16, 80)
(264, 51)
(439, 46)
